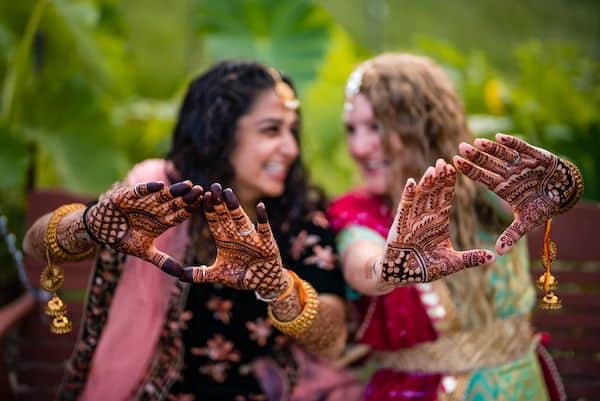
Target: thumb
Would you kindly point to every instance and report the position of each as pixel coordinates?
(164, 262)
(509, 238)
(476, 257)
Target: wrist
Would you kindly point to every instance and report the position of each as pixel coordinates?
(577, 182)
(65, 240)
(283, 290)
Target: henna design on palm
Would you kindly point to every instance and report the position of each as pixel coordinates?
(418, 248)
(536, 183)
(129, 218)
(247, 258)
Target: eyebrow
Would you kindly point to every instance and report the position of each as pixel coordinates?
(270, 120)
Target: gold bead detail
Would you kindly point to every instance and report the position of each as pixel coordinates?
(552, 281)
(52, 278)
(55, 307)
(550, 302)
(61, 325)
(301, 323)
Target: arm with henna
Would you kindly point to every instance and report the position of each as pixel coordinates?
(127, 219)
(248, 258)
(536, 183)
(418, 247)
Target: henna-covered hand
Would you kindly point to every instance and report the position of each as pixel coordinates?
(418, 247)
(247, 257)
(536, 183)
(129, 218)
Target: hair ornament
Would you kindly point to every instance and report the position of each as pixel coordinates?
(354, 83)
(283, 91)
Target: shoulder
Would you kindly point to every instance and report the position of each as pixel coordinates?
(358, 207)
(149, 170)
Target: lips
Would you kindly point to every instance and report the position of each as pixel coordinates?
(276, 170)
(374, 165)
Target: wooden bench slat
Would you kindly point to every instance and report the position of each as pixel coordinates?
(577, 366)
(585, 344)
(566, 320)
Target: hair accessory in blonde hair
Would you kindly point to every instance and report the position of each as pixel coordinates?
(354, 83)
(284, 91)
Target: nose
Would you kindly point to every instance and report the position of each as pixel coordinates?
(289, 145)
(362, 143)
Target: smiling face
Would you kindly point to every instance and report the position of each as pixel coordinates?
(265, 149)
(365, 144)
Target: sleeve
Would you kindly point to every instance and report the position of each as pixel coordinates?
(356, 232)
(312, 254)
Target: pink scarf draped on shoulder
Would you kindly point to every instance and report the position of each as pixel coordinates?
(127, 344)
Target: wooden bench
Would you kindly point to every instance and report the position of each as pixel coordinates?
(575, 329)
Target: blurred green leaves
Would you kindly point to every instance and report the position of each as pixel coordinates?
(92, 86)
(292, 36)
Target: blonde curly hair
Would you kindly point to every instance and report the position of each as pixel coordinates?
(414, 101)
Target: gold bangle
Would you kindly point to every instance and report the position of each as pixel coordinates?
(51, 236)
(301, 323)
(578, 182)
(281, 296)
(289, 289)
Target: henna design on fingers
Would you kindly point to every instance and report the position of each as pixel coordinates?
(536, 183)
(128, 219)
(247, 258)
(418, 248)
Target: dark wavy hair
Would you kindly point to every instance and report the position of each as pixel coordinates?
(204, 139)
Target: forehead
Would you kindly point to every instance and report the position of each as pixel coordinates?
(268, 105)
(361, 109)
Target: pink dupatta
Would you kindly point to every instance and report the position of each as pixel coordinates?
(137, 313)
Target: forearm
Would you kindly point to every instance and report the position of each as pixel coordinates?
(326, 335)
(361, 268)
(71, 236)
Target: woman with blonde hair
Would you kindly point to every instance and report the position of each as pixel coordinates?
(467, 336)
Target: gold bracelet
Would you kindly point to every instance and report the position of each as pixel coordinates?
(578, 182)
(51, 236)
(281, 296)
(301, 323)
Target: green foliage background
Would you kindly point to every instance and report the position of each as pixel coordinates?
(89, 87)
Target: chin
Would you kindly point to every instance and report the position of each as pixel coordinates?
(376, 187)
(273, 191)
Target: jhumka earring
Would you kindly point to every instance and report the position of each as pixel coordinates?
(283, 91)
(53, 276)
(547, 282)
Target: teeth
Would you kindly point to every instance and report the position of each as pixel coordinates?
(375, 164)
(274, 167)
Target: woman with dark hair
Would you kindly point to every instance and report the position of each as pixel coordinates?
(149, 335)
(467, 336)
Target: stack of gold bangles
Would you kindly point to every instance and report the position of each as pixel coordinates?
(309, 302)
(52, 277)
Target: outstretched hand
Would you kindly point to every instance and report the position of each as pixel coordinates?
(247, 258)
(418, 247)
(536, 183)
(128, 219)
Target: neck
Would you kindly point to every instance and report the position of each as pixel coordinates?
(248, 203)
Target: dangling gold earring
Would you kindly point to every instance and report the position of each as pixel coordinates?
(53, 276)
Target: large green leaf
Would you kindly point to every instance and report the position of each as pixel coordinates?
(290, 35)
(77, 162)
(15, 159)
(324, 142)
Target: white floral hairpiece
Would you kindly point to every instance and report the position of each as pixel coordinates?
(354, 83)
